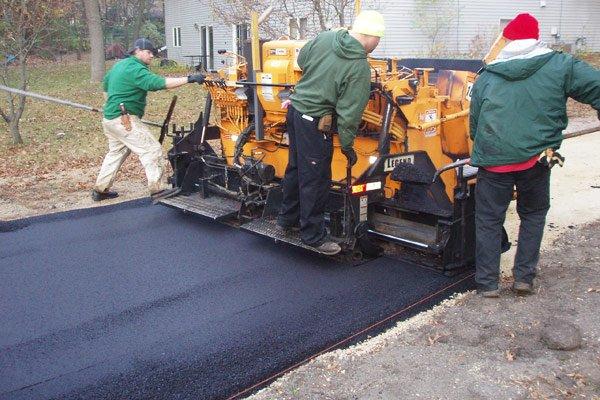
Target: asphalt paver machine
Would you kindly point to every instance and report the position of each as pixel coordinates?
(228, 166)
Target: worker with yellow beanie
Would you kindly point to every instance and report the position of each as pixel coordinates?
(335, 83)
(369, 23)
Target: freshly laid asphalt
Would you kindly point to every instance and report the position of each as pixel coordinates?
(137, 301)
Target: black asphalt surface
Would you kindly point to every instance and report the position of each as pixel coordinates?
(137, 301)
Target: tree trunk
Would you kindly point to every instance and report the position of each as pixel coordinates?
(18, 109)
(14, 131)
(139, 19)
(80, 32)
(92, 13)
(319, 10)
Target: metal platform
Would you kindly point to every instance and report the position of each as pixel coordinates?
(269, 228)
(213, 207)
(417, 235)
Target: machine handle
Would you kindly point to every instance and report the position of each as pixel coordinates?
(165, 125)
(453, 165)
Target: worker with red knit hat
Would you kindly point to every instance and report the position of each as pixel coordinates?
(518, 111)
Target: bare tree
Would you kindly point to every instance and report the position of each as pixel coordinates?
(23, 24)
(319, 10)
(434, 18)
(340, 8)
(236, 12)
(140, 17)
(324, 14)
(97, 65)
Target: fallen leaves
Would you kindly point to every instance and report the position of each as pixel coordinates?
(435, 338)
(510, 355)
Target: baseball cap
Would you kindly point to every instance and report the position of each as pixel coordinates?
(143, 44)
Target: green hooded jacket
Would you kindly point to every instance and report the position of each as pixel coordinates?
(128, 82)
(518, 107)
(336, 79)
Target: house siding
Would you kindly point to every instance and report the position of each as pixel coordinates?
(572, 19)
(188, 15)
(577, 19)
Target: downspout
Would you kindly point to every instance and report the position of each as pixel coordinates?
(560, 21)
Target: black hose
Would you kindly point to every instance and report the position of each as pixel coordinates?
(241, 141)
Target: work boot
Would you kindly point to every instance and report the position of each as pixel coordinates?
(489, 294)
(99, 196)
(328, 248)
(287, 229)
(522, 288)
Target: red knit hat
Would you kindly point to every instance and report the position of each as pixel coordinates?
(523, 26)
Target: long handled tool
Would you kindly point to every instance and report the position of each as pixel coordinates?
(467, 161)
(64, 102)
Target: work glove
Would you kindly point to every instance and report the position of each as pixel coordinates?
(198, 78)
(350, 155)
(549, 158)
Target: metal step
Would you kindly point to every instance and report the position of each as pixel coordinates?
(214, 207)
(268, 227)
(414, 234)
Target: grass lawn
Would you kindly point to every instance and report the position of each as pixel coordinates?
(59, 137)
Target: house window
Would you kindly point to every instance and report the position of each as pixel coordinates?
(211, 48)
(294, 29)
(303, 26)
(203, 46)
(207, 47)
(177, 37)
(241, 37)
(297, 28)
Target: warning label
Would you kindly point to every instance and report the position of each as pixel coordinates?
(429, 115)
(267, 91)
(364, 207)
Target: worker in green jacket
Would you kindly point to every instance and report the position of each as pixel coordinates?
(518, 110)
(335, 82)
(127, 84)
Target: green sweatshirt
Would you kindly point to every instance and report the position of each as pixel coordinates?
(336, 79)
(128, 82)
(518, 107)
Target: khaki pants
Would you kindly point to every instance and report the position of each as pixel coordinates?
(121, 143)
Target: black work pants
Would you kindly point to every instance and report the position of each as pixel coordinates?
(307, 178)
(493, 194)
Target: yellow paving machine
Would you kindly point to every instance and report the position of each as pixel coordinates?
(229, 165)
